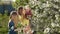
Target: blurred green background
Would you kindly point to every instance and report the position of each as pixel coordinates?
(45, 19)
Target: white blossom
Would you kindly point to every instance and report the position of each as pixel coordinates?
(46, 30)
(53, 24)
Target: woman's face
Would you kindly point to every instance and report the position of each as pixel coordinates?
(20, 11)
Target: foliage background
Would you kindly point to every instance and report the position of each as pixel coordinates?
(46, 15)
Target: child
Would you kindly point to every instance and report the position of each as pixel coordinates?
(13, 22)
(28, 15)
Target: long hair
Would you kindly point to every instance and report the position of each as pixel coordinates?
(13, 13)
(15, 19)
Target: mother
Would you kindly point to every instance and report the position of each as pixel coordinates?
(23, 14)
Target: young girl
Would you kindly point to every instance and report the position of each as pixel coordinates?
(13, 23)
(28, 15)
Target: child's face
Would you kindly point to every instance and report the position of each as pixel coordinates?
(27, 9)
(14, 17)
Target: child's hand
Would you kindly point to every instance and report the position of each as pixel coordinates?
(12, 28)
(18, 29)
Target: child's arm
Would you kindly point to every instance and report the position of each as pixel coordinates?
(9, 22)
(11, 25)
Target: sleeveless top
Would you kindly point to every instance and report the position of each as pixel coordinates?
(11, 25)
(23, 21)
(11, 28)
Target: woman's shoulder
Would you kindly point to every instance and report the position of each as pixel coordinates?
(19, 16)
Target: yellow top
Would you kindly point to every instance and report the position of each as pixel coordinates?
(23, 21)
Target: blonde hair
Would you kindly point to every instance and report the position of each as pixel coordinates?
(16, 19)
(13, 13)
(27, 7)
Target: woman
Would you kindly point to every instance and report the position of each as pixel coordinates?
(23, 14)
(21, 17)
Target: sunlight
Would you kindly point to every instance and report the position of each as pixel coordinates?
(9, 0)
(13, 0)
